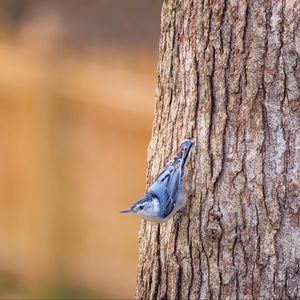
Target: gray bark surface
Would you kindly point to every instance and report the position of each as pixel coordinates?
(229, 78)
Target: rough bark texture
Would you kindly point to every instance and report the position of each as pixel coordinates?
(228, 77)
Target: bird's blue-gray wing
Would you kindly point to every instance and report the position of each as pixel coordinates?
(174, 182)
(160, 189)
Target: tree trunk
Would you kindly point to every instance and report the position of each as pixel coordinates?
(229, 78)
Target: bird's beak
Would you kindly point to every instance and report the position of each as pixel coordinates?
(126, 211)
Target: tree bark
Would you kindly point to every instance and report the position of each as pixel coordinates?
(229, 78)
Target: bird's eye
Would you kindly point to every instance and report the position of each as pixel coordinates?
(141, 207)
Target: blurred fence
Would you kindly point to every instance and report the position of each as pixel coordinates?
(73, 136)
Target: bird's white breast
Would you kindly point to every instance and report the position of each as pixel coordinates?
(156, 206)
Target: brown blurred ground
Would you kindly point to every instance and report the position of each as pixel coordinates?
(77, 84)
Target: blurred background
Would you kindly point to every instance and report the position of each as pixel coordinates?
(77, 82)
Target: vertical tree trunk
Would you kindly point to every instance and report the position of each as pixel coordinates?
(229, 77)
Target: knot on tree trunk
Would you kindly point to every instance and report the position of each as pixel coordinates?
(214, 230)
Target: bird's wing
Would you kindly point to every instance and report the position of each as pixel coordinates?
(166, 188)
(174, 182)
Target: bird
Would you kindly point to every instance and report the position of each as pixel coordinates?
(166, 195)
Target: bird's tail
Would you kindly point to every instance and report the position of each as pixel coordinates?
(182, 155)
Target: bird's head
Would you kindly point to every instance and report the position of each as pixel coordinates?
(147, 207)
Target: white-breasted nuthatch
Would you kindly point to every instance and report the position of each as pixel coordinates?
(166, 194)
